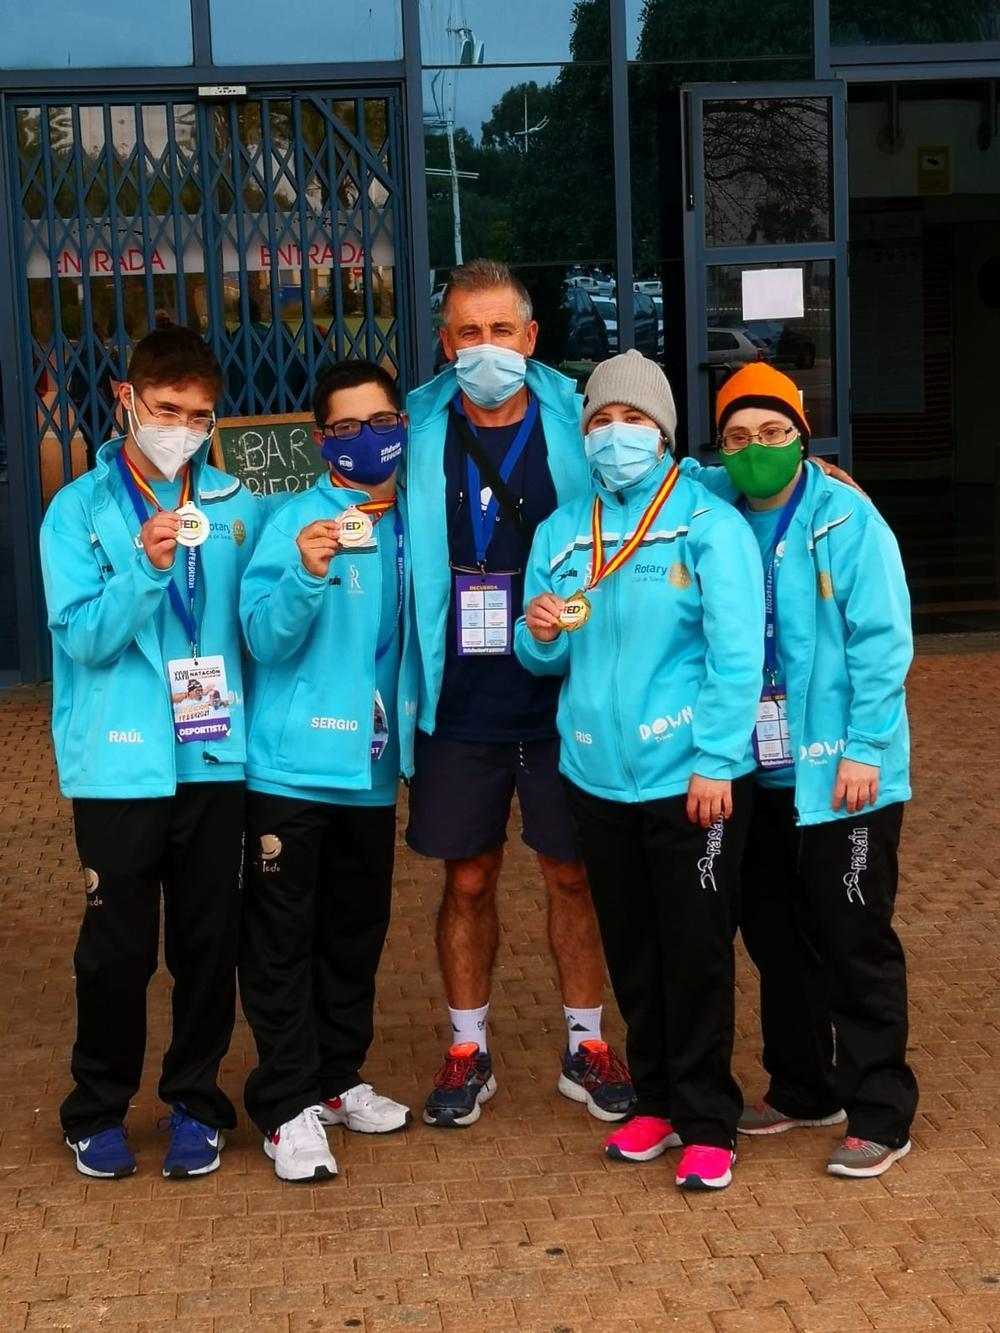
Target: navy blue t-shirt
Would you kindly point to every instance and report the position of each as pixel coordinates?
(495, 698)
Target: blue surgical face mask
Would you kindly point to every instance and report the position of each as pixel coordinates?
(369, 458)
(488, 374)
(623, 453)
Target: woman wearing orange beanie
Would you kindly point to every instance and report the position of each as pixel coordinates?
(832, 749)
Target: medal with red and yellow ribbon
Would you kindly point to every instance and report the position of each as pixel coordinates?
(357, 522)
(576, 609)
(194, 526)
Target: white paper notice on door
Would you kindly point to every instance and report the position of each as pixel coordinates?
(773, 293)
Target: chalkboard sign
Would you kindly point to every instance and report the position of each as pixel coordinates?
(270, 455)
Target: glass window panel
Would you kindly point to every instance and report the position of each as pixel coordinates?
(52, 34)
(515, 32)
(913, 22)
(685, 30)
(302, 32)
(544, 196)
(767, 168)
(803, 348)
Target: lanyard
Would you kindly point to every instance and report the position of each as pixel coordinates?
(601, 568)
(770, 601)
(383, 648)
(138, 488)
(484, 524)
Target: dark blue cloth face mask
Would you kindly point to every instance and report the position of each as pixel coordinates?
(369, 458)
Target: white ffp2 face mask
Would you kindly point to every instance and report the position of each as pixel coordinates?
(168, 448)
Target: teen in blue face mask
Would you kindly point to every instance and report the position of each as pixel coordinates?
(324, 612)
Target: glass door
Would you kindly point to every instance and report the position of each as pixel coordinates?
(766, 248)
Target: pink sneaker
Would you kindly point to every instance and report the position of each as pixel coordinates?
(703, 1168)
(641, 1139)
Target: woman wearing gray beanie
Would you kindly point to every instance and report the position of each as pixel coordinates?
(646, 597)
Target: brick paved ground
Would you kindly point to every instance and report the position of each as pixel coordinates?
(519, 1222)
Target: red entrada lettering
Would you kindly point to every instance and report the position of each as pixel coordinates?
(130, 260)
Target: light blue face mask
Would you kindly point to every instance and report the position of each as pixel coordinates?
(623, 453)
(488, 374)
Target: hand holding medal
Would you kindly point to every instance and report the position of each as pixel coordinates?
(318, 543)
(542, 617)
(159, 538)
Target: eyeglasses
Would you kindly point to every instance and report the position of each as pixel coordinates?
(382, 423)
(201, 423)
(770, 434)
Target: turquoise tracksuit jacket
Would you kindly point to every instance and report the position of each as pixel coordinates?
(664, 678)
(560, 407)
(112, 721)
(314, 641)
(845, 642)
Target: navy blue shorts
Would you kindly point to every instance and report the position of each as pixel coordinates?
(461, 792)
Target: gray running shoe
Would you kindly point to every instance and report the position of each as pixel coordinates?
(767, 1119)
(861, 1157)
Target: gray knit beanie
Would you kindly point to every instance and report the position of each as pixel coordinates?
(634, 380)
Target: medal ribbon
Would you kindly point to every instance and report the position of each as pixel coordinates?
(375, 509)
(770, 603)
(601, 567)
(146, 491)
(138, 489)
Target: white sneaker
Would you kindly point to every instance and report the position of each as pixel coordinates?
(363, 1110)
(299, 1149)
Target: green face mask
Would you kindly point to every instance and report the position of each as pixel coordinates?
(761, 471)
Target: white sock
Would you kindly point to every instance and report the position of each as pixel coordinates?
(582, 1025)
(469, 1025)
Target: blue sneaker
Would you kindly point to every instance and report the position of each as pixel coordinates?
(596, 1076)
(461, 1085)
(194, 1148)
(104, 1155)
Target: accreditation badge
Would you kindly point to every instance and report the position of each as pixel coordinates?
(771, 744)
(575, 612)
(380, 728)
(200, 699)
(194, 527)
(483, 612)
(355, 528)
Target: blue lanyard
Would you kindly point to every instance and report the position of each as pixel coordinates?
(381, 651)
(770, 599)
(483, 525)
(185, 614)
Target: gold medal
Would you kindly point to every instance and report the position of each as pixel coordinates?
(194, 527)
(355, 527)
(575, 612)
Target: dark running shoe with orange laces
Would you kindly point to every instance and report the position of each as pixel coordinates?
(461, 1085)
(597, 1076)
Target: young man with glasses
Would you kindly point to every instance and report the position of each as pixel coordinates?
(142, 559)
(332, 710)
(832, 749)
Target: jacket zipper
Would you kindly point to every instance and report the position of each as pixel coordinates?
(615, 695)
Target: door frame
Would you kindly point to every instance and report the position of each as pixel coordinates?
(699, 257)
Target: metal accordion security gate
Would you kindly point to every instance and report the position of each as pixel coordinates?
(272, 224)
